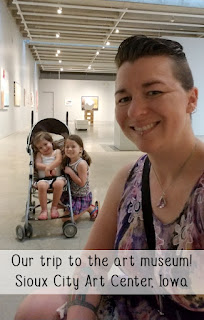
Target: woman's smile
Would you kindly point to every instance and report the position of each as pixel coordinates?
(145, 129)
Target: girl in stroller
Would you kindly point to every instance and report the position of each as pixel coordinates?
(47, 163)
(76, 164)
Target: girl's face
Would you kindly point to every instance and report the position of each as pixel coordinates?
(45, 147)
(72, 149)
(152, 108)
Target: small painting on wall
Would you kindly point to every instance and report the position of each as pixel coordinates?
(89, 103)
(4, 89)
(17, 94)
(32, 99)
(24, 97)
(68, 102)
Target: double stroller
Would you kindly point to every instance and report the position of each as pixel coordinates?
(61, 131)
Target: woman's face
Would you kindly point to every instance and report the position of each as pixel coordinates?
(152, 108)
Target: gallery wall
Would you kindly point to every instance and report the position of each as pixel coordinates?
(194, 49)
(17, 64)
(68, 95)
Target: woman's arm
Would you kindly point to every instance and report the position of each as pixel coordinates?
(102, 237)
(81, 178)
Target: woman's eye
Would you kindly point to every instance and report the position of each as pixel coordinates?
(124, 99)
(153, 93)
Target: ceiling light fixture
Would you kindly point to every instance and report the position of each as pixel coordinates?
(60, 61)
(108, 43)
(57, 35)
(172, 20)
(56, 55)
(58, 51)
(59, 10)
(103, 47)
(61, 69)
(89, 67)
(117, 31)
(97, 53)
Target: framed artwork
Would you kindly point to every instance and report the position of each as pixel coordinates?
(68, 102)
(4, 90)
(17, 94)
(24, 97)
(89, 103)
(32, 99)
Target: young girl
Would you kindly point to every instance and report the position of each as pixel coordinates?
(48, 163)
(76, 164)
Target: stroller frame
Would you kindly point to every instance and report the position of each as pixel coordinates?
(69, 228)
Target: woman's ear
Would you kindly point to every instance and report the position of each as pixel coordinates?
(192, 100)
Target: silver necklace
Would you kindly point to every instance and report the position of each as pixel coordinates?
(162, 200)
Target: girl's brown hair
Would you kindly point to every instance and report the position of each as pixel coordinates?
(39, 137)
(79, 141)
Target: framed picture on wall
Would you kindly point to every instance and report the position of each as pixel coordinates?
(4, 90)
(89, 103)
(17, 94)
(31, 99)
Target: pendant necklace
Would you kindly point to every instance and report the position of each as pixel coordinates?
(163, 201)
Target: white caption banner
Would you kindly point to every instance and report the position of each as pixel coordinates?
(101, 272)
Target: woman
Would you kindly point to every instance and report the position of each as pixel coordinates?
(155, 97)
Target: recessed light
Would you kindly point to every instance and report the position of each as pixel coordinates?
(59, 10)
(57, 35)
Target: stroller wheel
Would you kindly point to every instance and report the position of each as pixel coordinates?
(20, 232)
(28, 230)
(69, 229)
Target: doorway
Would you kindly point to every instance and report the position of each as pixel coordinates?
(46, 108)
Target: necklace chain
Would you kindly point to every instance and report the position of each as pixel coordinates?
(162, 201)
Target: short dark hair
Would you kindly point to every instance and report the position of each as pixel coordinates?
(136, 47)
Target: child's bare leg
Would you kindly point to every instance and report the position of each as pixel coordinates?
(76, 216)
(42, 195)
(57, 192)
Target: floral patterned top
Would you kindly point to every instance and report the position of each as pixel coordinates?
(186, 232)
(78, 191)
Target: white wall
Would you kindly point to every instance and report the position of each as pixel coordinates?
(194, 49)
(17, 60)
(75, 89)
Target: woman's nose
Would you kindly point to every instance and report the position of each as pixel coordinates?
(137, 108)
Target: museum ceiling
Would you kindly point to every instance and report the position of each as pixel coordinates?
(83, 35)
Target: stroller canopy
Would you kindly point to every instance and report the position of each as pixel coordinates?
(50, 125)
